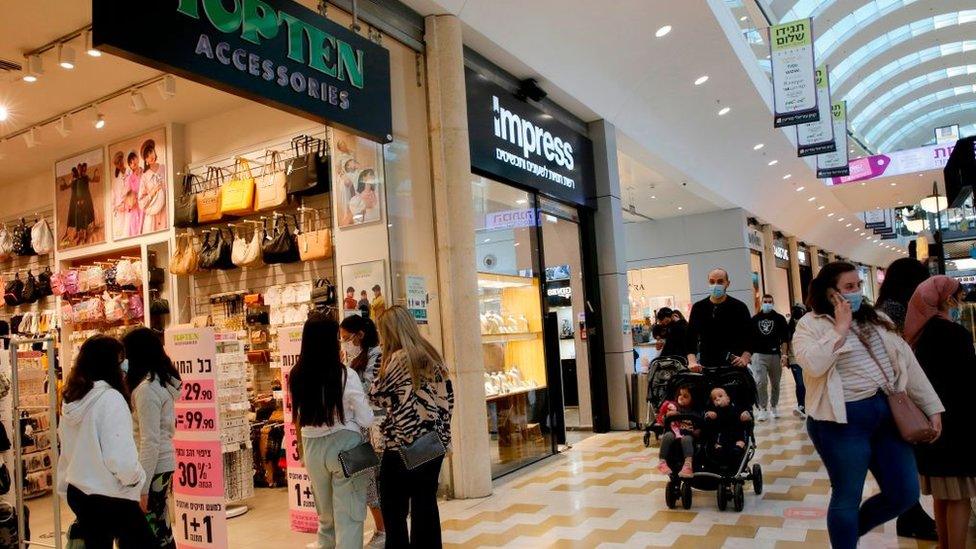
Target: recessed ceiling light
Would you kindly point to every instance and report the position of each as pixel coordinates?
(848, 225)
(652, 196)
(841, 219)
(663, 31)
(893, 184)
(521, 201)
(681, 207)
(787, 176)
(821, 207)
(800, 188)
(487, 240)
(4, 113)
(724, 111)
(831, 214)
(743, 18)
(758, 146)
(772, 162)
(921, 175)
(811, 199)
(701, 80)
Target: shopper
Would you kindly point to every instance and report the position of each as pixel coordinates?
(844, 347)
(718, 328)
(672, 332)
(99, 471)
(361, 352)
(770, 335)
(945, 350)
(414, 388)
(329, 408)
(796, 313)
(902, 277)
(155, 386)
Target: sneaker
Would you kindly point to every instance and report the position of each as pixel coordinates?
(313, 545)
(773, 414)
(687, 471)
(378, 541)
(762, 415)
(663, 468)
(800, 412)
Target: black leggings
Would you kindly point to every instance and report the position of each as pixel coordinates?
(687, 445)
(413, 492)
(102, 520)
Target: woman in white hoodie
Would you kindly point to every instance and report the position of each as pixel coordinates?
(99, 471)
(155, 385)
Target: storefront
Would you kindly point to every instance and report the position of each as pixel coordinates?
(754, 237)
(532, 187)
(806, 274)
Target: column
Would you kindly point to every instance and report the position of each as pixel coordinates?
(795, 286)
(768, 257)
(470, 466)
(612, 270)
(831, 257)
(815, 265)
(875, 287)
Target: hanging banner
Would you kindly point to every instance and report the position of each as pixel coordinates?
(301, 502)
(929, 157)
(198, 482)
(835, 164)
(875, 219)
(818, 137)
(794, 73)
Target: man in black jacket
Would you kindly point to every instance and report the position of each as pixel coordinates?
(770, 335)
(718, 328)
(673, 333)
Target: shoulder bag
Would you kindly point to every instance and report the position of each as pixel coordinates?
(238, 248)
(44, 283)
(424, 449)
(252, 254)
(315, 244)
(185, 259)
(42, 239)
(271, 188)
(216, 252)
(13, 292)
(185, 214)
(324, 292)
(208, 200)
(6, 243)
(29, 294)
(358, 460)
(222, 246)
(22, 240)
(913, 426)
(237, 195)
(207, 256)
(281, 247)
(300, 173)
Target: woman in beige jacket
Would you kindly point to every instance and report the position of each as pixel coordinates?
(850, 357)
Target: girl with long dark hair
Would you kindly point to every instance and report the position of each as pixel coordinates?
(851, 357)
(99, 471)
(329, 408)
(155, 386)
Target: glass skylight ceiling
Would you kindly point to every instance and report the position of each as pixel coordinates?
(892, 118)
(926, 120)
(903, 89)
(829, 40)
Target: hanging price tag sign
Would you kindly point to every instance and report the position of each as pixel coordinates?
(200, 524)
(301, 502)
(196, 418)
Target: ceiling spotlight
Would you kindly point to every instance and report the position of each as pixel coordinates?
(89, 48)
(64, 125)
(167, 87)
(66, 56)
(811, 199)
(772, 162)
(800, 188)
(33, 68)
(841, 219)
(680, 208)
(701, 80)
(4, 113)
(30, 137)
(98, 119)
(893, 184)
(724, 111)
(743, 18)
(758, 146)
(821, 207)
(663, 31)
(787, 176)
(138, 101)
(831, 214)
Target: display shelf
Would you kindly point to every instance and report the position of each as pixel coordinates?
(515, 393)
(505, 338)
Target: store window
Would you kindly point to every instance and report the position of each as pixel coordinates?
(650, 289)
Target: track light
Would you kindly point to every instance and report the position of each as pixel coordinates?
(98, 119)
(66, 56)
(30, 137)
(138, 102)
(33, 68)
(64, 125)
(89, 48)
(167, 87)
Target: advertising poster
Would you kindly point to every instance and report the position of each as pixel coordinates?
(818, 137)
(200, 516)
(79, 196)
(417, 297)
(301, 501)
(794, 73)
(139, 186)
(929, 157)
(358, 184)
(835, 164)
(363, 287)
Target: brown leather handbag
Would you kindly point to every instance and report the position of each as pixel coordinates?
(913, 425)
(209, 200)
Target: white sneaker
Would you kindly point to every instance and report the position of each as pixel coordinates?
(378, 541)
(313, 545)
(762, 415)
(773, 414)
(799, 412)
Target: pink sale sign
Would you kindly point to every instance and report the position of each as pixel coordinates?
(301, 501)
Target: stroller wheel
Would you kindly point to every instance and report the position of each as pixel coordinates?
(671, 493)
(757, 480)
(686, 494)
(738, 497)
(723, 496)
(647, 439)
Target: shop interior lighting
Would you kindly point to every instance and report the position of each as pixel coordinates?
(89, 48)
(701, 80)
(841, 219)
(138, 101)
(64, 125)
(831, 214)
(772, 162)
(66, 56)
(821, 207)
(758, 146)
(848, 225)
(787, 176)
(811, 199)
(680, 208)
(98, 119)
(724, 111)
(167, 87)
(33, 68)
(663, 31)
(800, 188)
(4, 113)
(30, 137)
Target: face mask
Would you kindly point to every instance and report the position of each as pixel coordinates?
(955, 314)
(767, 307)
(351, 351)
(124, 366)
(854, 299)
(717, 290)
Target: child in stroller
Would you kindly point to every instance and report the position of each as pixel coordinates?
(681, 430)
(726, 428)
(661, 370)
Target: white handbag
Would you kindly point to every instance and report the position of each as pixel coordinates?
(42, 239)
(238, 249)
(270, 190)
(246, 253)
(6, 243)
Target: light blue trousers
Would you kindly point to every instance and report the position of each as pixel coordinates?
(339, 501)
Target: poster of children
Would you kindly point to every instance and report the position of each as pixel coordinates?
(79, 190)
(137, 173)
(358, 183)
(363, 285)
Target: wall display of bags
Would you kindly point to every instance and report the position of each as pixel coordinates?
(25, 288)
(106, 293)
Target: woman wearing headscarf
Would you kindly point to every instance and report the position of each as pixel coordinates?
(945, 350)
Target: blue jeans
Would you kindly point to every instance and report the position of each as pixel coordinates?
(869, 441)
(801, 389)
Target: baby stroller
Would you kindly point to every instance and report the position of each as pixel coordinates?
(727, 479)
(661, 370)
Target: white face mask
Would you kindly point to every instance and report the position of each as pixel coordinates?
(350, 351)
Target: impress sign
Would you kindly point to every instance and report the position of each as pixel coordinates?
(517, 143)
(275, 52)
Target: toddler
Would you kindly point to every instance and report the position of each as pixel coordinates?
(726, 425)
(680, 430)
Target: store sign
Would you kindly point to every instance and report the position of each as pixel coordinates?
(755, 239)
(818, 137)
(301, 501)
(517, 143)
(794, 73)
(781, 253)
(947, 134)
(929, 157)
(275, 52)
(512, 219)
(835, 164)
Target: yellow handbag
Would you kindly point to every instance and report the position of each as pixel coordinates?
(315, 244)
(208, 201)
(237, 195)
(185, 259)
(270, 190)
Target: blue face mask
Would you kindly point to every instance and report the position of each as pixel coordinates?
(767, 307)
(854, 299)
(124, 366)
(955, 314)
(717, 290)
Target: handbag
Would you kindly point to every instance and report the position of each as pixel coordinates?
(185, 259)
(425, 448)
(913, 425)
(309, 172)
(185, 214)
(42, 239)
(6, 243)
(29, 293)
(216, 252)
(13, 292)
(44, 283)
(358, 460)
(271, 188)
(316, 244)
(208, 200)
(237, 195)
(324, 292)
(282, 246)
(238, 248)
(23, 245)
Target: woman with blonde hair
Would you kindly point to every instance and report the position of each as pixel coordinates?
(413, 386)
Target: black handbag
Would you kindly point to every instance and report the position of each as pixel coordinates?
(425, 448)
(358, 460)
(23, 243)
(216, 251)
(309, 171)
(4, 479)
(29, 293)
(281, 246)
(13, 293)
(186, 204)
(44, 283)
(324, 292)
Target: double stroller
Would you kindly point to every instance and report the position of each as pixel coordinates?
(659, 375)
(713, 469)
